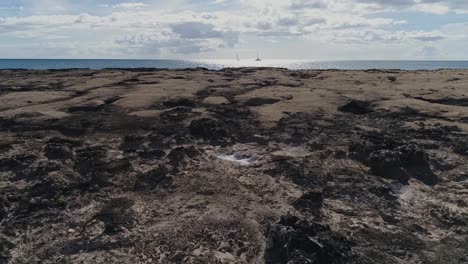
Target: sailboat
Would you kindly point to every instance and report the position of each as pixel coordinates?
(258, 58)
(237, 57)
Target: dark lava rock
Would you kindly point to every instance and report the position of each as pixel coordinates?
(386, 163)
(54, 151)
(117, 166)
(401, 163)
(461, 148)
(412, 155)
(310, 202)
(89, 157)
(71, 142)
(257, 101)
(339, 154)
(178, 156)
(152, 180)
(392, 78)
(179, 102)
(8, 164)
(416, 162)
(39, 171)
(356, 107)
(132, 143)
(5, 247)
(115, 214)
(151, 153)
(3, 208)
(208, 129)
(293, 170)
(5, 146)
(17, 162)
(298, 241)
(90, 162)
(369, 143)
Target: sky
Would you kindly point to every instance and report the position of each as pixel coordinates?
(218, 29)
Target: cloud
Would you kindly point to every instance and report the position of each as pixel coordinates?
(139, 29)
(428, 38)
(196, 30)
(129, 5)
(186, 38)
(428, 52)
(427, 6)
(312, 4)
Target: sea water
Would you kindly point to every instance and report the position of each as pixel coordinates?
(220, 64)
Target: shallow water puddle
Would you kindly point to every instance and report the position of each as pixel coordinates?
(236, 159)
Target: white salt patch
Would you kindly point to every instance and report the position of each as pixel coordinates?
(232, 158)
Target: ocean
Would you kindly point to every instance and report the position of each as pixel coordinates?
(220, 64)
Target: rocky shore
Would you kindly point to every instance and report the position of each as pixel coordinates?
(249, 165)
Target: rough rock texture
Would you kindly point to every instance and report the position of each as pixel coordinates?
(233, 166)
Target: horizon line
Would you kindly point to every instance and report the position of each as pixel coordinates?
(304, 60)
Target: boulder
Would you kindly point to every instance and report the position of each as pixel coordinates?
(386, 163)
(402, 163)
(416, 162)
(412, 155)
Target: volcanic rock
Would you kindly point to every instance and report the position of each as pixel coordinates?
(356, 107)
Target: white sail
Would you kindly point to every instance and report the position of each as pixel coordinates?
(258, 58)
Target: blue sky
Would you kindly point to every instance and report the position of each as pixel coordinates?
(211, 29)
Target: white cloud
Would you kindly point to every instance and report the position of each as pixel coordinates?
(429, 52)
(136, 28)
(129, 5)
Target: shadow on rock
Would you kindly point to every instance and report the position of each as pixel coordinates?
(258, 101)
(132, 143)
(208, 129)
(186, 102)
(356, 107)
(298, 241)
(310, 202)
(153, 180)
(115, 214)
